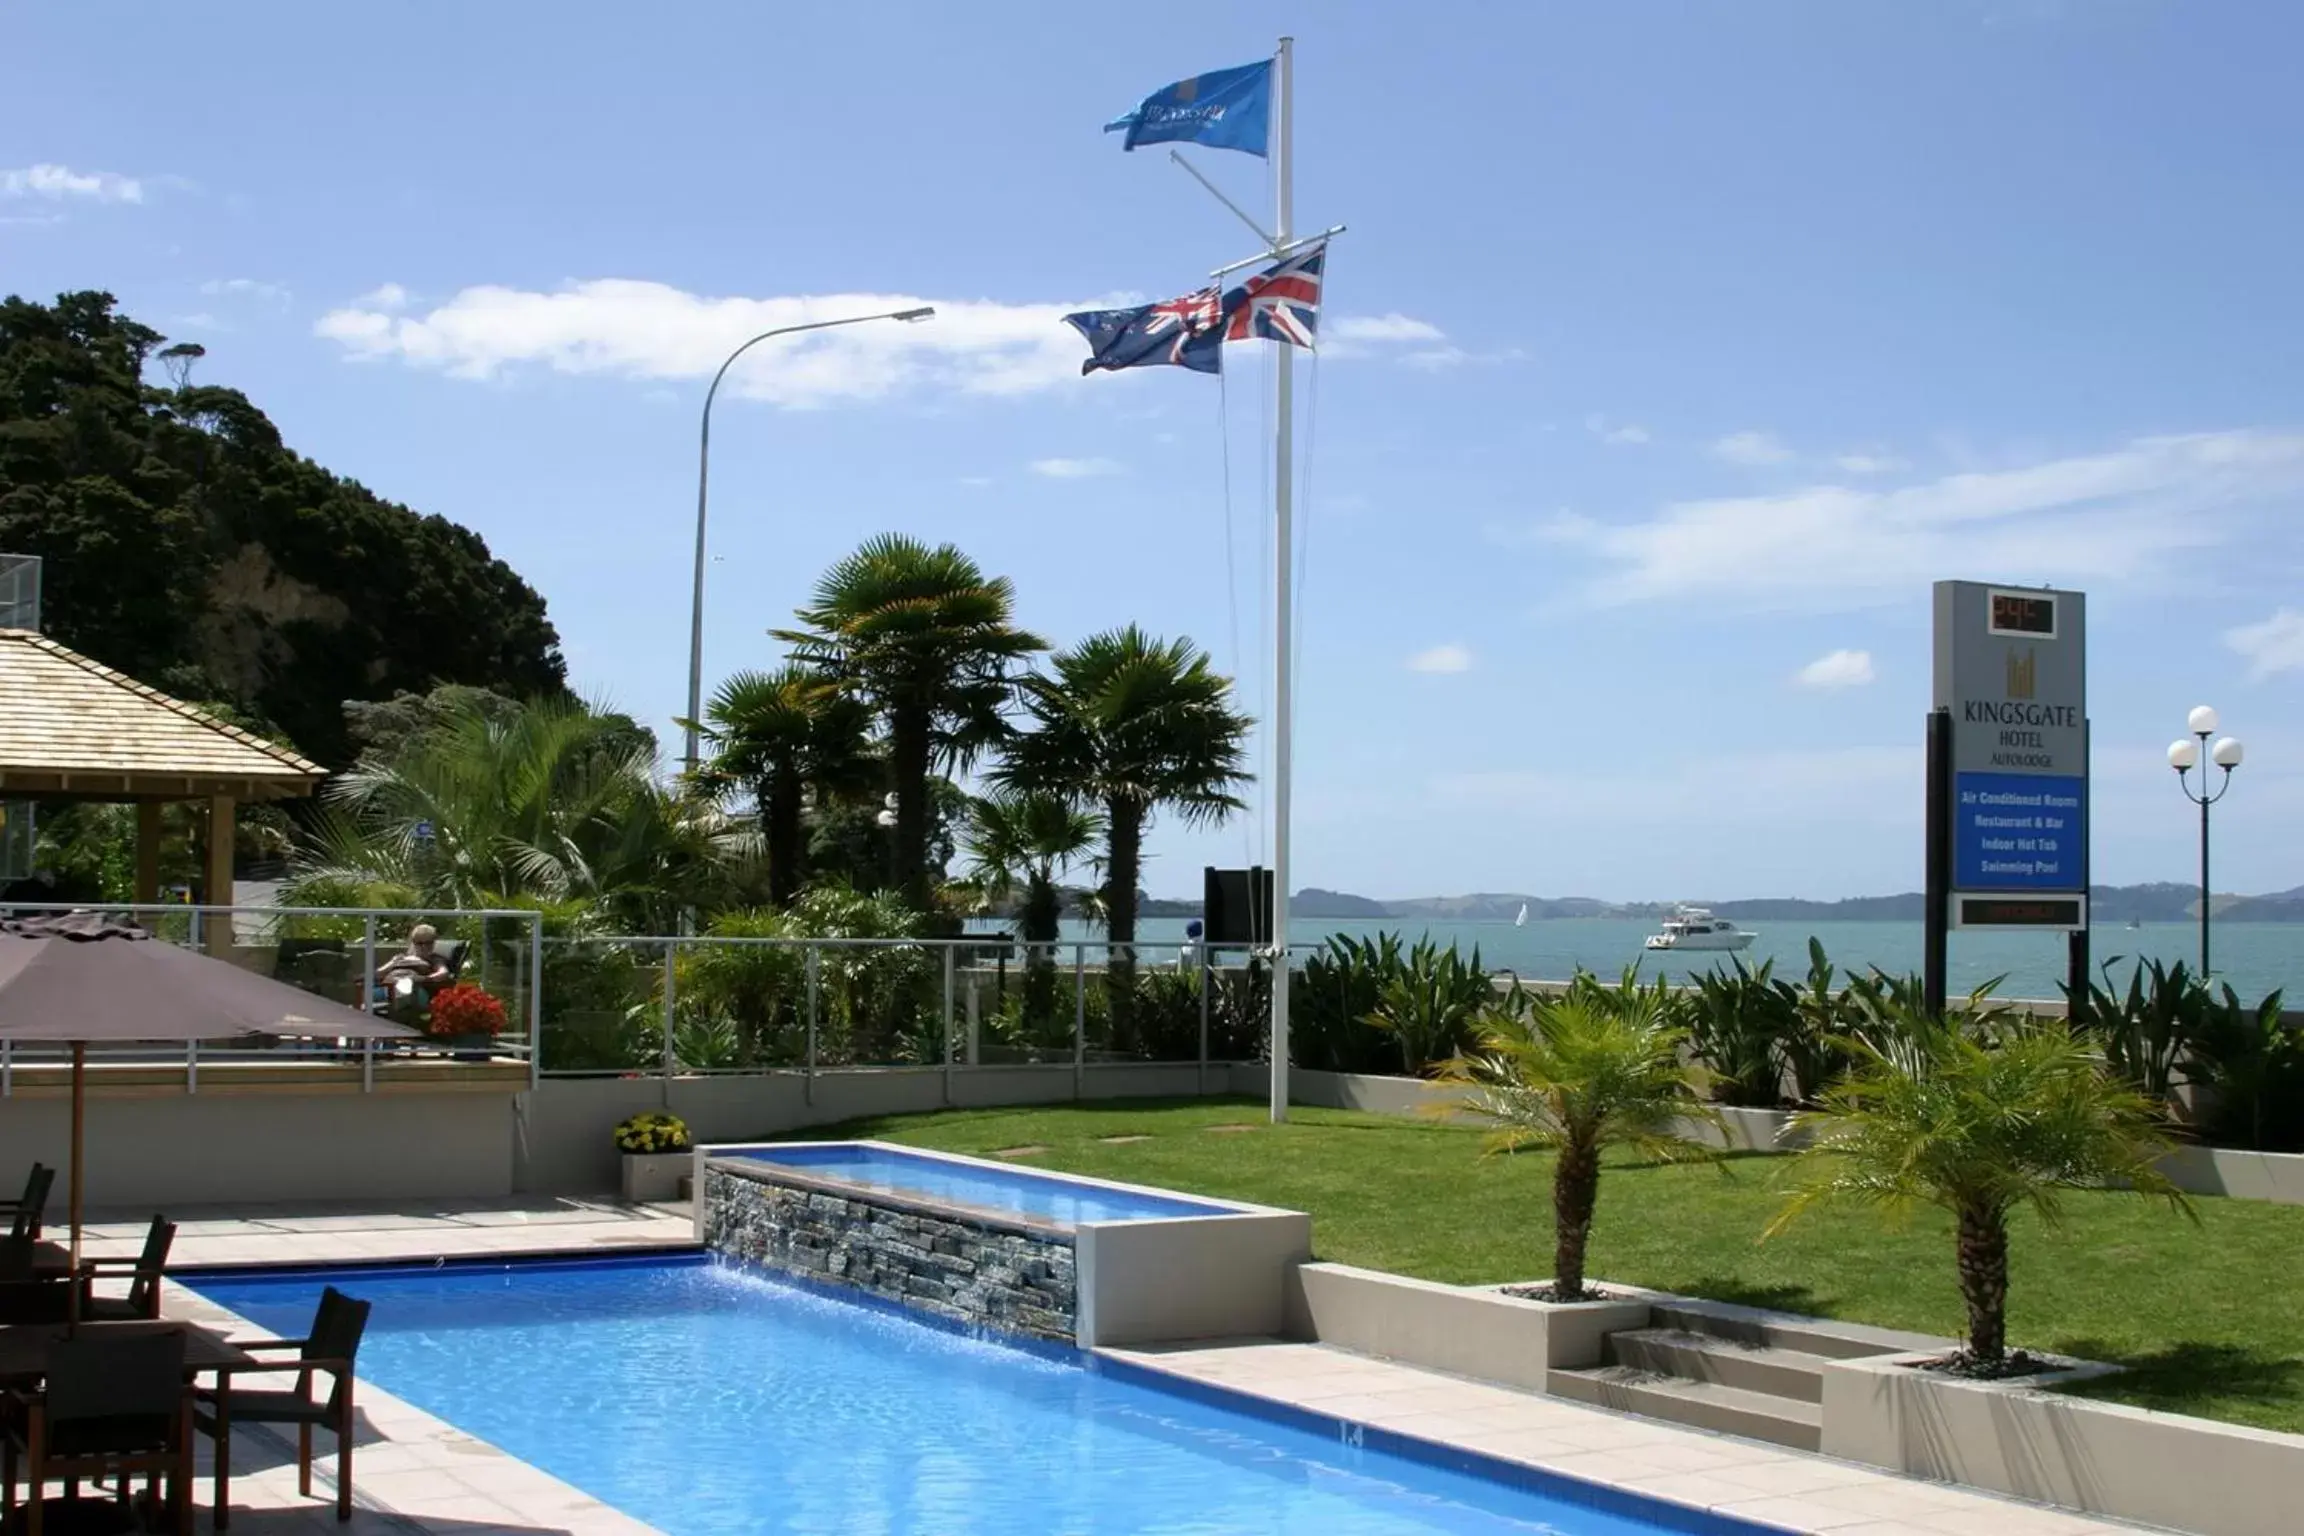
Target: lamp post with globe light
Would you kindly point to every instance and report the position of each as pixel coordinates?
(2184, 756)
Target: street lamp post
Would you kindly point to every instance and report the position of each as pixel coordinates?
(2184, 756)
(703, 476)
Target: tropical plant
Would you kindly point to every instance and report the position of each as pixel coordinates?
(1018, 842)
(1592, 1068)
(742, 991)
(2147, 1033)
(1134, 725)
(1331, 998)
(1431, 1005)
(557, 802)
(2250, 1064)
(927, 640)
(1740, 1022)
(877, 1002)
(1979, 1123)
(1813, 1054)
(780, 736)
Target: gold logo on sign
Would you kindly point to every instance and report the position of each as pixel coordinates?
(2023, 671)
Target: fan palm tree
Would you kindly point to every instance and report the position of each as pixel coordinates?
(928, 641)
(780, 735)
(1021, 841)
(553, 802)
(1134, 725)
(1594, 1068)
(1980, 1125)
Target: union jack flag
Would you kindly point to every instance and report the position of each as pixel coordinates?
(1281, 303)
(1186, 332)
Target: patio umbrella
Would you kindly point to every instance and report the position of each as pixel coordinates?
(82, 979)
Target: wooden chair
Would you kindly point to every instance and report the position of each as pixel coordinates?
(25, 1298)
(331, 1350)
(25, 1213)
(143, 1298)
(110, 1408)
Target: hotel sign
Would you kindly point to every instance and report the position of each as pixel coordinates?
(2011, 669)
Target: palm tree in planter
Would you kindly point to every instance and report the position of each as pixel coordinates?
(780, 735)
(1594, 1068)
(924, 637)
(1021, 841)
(1134, 725)
(1979, 1125)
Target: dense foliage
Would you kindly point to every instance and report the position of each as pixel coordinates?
(184, 544)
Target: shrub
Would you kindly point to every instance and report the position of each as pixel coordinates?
(1431, 1006)
(652, 1130)
(463, 1008)
(2251, 1062)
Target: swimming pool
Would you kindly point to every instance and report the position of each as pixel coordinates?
(707, 1398)
(901, 1171)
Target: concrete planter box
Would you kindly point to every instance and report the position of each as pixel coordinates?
(2274, 1176)
(654, 1177)
(1748, 1130)
(1474, 1331)
(2103, 1458)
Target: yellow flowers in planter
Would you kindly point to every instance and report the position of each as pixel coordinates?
(652, 1131)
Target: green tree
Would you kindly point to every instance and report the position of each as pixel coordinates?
(1979, 1125)
(1594, 1068)
(780, 736)
(1135, 726)
(555, 803)
(1018, 843)
(184, 544)
(924, 637)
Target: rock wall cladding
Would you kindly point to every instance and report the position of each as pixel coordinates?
(957, 1268)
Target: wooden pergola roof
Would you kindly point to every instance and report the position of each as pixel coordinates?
(72, 728)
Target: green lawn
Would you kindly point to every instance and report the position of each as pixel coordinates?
(2211, 1317)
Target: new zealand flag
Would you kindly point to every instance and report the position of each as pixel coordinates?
(1187, 332)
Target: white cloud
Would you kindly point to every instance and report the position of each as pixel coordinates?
(1394, 327)
(1441, 658)
(246, 288)
(386, 296)
(977, 481)
(199, 320)
(61, 181)
(2274, 645)
(1750, 448)
(1620, 433)
(2106, 517)
(1075, 469)
(1836, 669)
(623, 328)
(1869, 464)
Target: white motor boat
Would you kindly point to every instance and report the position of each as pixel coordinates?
(1695, 928)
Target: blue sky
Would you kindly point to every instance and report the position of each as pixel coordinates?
(1674, 349)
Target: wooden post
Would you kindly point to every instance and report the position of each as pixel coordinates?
(147, 853)
(218, 926)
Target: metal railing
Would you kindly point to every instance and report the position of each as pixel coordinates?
(659, 1007)
(332, 952)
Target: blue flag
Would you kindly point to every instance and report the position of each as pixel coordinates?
(1223, 109)
(1187, 332)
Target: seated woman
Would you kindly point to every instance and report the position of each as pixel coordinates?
(413, 975)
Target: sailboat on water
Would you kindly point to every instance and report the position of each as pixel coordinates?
(1522, 920)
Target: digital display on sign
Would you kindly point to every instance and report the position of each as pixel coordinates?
(2023, 613)
(2018, 912)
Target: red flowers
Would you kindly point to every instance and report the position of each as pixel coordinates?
(465, 1009)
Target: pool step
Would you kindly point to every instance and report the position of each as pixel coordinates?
(1773, 1372)
(1785, 1421)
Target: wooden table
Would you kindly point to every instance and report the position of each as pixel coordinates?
(24, 1347)
(50, 1261)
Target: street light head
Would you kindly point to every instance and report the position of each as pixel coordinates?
(2227, 754)
(2183, 755)
(2203, 721)
(924, 312)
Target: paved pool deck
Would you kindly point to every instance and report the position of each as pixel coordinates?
(1776, 1488)
(415, 1475)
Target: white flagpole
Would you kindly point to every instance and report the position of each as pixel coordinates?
(1283, 700)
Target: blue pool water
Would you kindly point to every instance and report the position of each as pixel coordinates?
(894, 1171)
(705, 1399)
